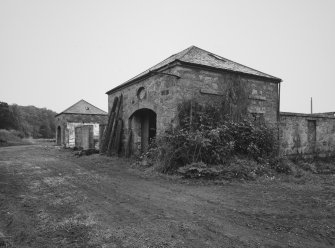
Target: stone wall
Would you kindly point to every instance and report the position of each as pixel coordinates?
(163, 93)
(307, 134)
(68, 123)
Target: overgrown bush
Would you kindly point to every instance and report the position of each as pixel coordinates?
(211, 143)
(205, 135)
(282, 165)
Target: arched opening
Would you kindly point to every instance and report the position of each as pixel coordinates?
(59, 136)
(143, 124)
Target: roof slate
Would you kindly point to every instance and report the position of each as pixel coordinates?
(198, 56)
(83, 107)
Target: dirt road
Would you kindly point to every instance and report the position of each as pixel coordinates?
(49, 198)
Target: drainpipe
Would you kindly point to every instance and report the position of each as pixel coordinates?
(278, 116)
(278, 119)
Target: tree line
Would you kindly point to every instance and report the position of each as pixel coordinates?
(30, 121)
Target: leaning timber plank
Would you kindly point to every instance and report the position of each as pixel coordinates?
(107, 131)
(111, 139)
(114, 104)
(117, 115)
(118, 133)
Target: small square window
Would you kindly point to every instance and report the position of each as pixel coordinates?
(164, 92)
(258, 118)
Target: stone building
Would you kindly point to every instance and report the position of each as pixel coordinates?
(78, 125)
(150, 99)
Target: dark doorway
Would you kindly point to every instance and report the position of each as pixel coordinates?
(311, 135)
(144, 126)
(59, 136)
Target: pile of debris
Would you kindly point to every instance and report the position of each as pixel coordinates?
(87, 152)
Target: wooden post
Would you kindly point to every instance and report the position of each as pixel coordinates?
(112, 135)
(107, 131)
(118, 134)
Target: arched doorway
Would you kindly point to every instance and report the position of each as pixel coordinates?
(59, 136)
(143, 124)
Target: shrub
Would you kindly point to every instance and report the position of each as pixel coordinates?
(207, 136)
(243, 168)
(10, 137)
(282, 165)
(200, 170)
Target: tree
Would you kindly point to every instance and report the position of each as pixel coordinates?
(6, 117)
(30, 121)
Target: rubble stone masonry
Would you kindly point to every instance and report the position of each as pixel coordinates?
(307, 134)
(162, 92)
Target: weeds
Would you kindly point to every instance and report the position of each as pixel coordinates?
(209, 143)
(12, 137)
(208, 138)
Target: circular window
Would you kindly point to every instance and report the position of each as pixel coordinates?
(141, 93)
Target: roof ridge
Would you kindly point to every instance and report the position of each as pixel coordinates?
(161, 62)
(81, 100)
(201, 57)
(71, 106)
(210, 53)
(94, 106)
(189, 49)
(148, 70)
(245, 66)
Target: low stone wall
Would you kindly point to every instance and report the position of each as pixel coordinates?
(306, 134)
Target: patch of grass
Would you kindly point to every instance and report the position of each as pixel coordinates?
(12, 138)
(236, 168)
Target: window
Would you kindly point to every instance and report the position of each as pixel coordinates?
(164, 92)
(258, 118)
(141, 93)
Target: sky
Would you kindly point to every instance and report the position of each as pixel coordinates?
(54, 53)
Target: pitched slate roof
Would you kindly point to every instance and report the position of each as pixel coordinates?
(198, 56)
(83, 107)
